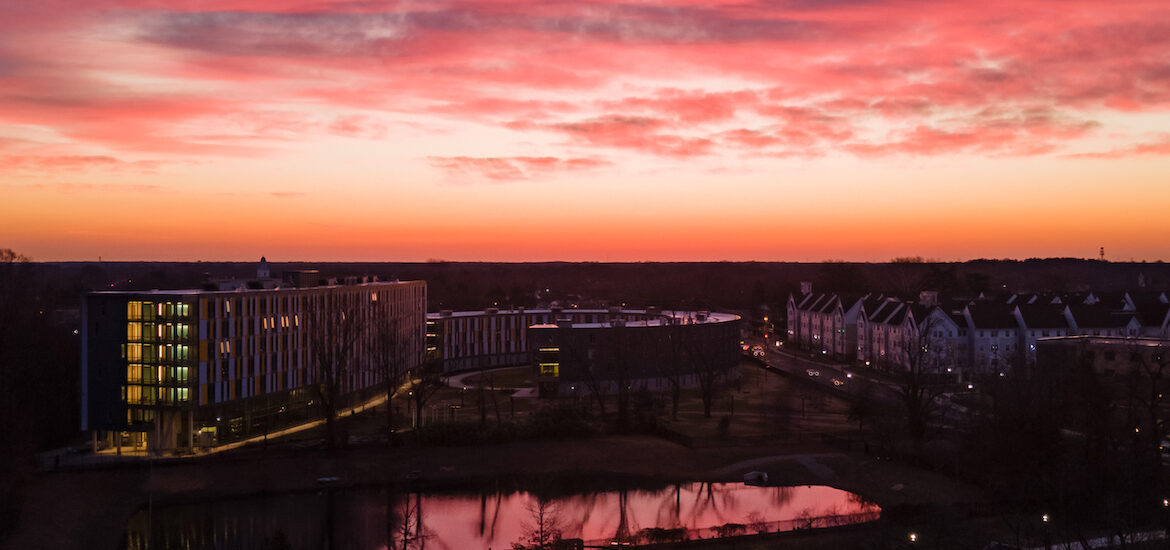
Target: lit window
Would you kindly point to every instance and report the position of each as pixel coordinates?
(133, 311)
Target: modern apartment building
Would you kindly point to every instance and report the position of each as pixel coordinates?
(168, 370)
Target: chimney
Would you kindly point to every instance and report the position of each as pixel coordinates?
(805, 288)
(928, 298)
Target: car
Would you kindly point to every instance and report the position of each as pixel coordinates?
(838, 382)
(813, 372)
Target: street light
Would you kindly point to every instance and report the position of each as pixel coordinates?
(913, 537)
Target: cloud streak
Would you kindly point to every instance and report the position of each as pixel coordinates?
(504, 169)
(675, 80)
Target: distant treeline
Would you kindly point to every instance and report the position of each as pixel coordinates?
(701, 285)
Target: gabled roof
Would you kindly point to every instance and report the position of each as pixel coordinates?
(1152, 315)
(918, 312)
(870, 304)
(1112, 300)
(885, 310)
(992, 315)
(1043, 316)
(1098, 316)
(810, 301)
(897, 316)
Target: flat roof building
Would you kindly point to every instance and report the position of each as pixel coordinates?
(165, 370)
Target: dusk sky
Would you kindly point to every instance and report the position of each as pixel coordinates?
(794, 130)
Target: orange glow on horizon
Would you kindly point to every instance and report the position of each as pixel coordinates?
(551, 131)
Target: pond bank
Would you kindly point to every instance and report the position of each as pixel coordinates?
(57, 513)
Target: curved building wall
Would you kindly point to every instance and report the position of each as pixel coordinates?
(471, 340)
(654, 354)
(578, 350)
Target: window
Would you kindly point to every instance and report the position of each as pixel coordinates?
(133, 310)
(133, 352)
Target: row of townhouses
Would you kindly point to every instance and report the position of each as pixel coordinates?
(969, 337)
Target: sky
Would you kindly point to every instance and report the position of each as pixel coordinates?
(676, 130)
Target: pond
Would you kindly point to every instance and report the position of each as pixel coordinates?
(378, 518)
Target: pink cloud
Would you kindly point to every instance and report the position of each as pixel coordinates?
(512, 168)
(72, 163)
(72, 187)
(1160, 146)
(809, 72)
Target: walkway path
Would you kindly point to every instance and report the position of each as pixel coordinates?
(457, 381)
(52, 460)
(808, 460)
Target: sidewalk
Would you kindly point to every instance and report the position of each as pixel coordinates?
(65, 458)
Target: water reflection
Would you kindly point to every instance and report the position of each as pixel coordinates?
(386, 518)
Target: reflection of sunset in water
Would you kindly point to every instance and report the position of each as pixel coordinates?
(459, 521)
(358, 518)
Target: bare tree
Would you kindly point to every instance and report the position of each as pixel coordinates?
(16, 440)
(593, 379)
(430, 380)
(711, 363)
(14, 274)
(334, 335)
(388, 347)
(1146, 386)
(406, 530)
(864, 404)
(674, 350)
(543, 531)
(918, 395)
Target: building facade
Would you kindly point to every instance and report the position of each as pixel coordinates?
(165, 370)
(470, 340)
(975, 337)
(683, 349)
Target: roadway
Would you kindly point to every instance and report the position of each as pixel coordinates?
(851, 381)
